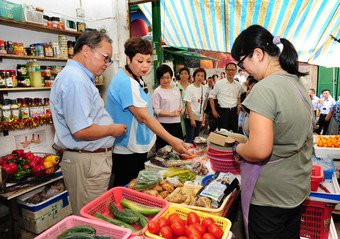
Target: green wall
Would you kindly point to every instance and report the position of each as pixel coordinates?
(326, 81)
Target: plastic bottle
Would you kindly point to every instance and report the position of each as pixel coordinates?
(15, 111)
(36, 79)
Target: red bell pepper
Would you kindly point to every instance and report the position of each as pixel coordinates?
(18, 152)
(26, 166)
(38, 170)
(36, 161)
(10, 168)
(28, 155)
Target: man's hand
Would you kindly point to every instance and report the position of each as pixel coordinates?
(215, 114)
(118, 129)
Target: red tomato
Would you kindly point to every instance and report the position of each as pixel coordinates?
(195, 236)
(215, 230)
(162, 222)
(208, 236)
(178, 228)
(182, 237)
(153, 227)
(176, 219)
(207, 222)
(166, 232)
(193, 218)
(191, 230)
(200, 227)
(172, 216)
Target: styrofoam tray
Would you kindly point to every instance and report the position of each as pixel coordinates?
(332, 197)
(323, 152)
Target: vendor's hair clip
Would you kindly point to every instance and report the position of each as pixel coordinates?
(278, 43)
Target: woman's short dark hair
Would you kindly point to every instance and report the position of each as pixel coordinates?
(136, 45)
(184, 69)
(90, 38)
(161, 70)
(257, 36)
(199, 70)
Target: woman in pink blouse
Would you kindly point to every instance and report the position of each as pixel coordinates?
(167, 104)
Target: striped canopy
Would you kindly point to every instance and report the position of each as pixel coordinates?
(215, 24)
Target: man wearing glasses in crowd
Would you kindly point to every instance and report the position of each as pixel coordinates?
(227, 92)
(83, 128)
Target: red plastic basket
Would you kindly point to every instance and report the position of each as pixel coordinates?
(317, 177)
(224, 164)
(316, 219)
(115, 195)
(219, 153)
(72, 221)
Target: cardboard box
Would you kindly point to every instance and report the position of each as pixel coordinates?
(226, 138)
(38, 217)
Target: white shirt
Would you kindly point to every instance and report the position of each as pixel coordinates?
(315, 100)
(226, 93)
(326, 105)
(196, 96)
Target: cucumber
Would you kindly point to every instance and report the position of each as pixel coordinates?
(79, 235)
(137, 207)
(115, 221)
(143, 220)
(102, 237)
(77, 229)
(123, 215)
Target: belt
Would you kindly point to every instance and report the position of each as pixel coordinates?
(228, 108)
(100, 150)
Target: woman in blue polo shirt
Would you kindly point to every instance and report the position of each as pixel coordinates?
(128, 101)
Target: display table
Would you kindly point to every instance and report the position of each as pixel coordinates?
(9, 197)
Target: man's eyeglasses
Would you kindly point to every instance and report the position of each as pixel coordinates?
(240, 63)
(107, 59)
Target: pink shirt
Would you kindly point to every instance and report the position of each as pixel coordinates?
(167, 100)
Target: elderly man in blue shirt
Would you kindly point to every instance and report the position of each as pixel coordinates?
(83, 128)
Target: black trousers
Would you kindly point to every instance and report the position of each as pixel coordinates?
(274, 223)
(228, 119)
(126, 167)
(323, 124)
(174, 129)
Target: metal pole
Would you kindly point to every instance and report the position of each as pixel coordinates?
(157, 35)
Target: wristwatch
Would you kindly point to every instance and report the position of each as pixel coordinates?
(239, 157)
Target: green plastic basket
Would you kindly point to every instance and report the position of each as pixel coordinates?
(11, 10)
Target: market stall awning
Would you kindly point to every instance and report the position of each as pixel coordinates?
(214, 24)
(186, 54)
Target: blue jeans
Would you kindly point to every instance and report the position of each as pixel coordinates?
(191, 131)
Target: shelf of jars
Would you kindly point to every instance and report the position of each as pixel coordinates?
(12, 56)
(13, 89)
(37, 27)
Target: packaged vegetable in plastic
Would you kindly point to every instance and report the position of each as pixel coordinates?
(147, 179)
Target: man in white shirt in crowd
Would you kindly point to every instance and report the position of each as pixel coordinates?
(324, 105)
(315, 100)
(227, 92)
(240, 77)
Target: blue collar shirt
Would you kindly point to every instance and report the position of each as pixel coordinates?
(76, 105)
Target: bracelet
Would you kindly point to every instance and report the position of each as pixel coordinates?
(235, 152)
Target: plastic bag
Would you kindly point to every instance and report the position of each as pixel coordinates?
(147, 179)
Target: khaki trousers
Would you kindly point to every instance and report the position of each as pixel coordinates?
(86, 176)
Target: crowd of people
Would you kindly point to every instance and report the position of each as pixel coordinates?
(107, 146)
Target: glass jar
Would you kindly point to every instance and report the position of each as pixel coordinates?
(70, 49)
(2, 47)
(15, 111)
(39, 49)
(9, 47)
(45, 20)
(6, 111)
(2, 79)
(81, 26)
(14, 78)
(48, 51)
